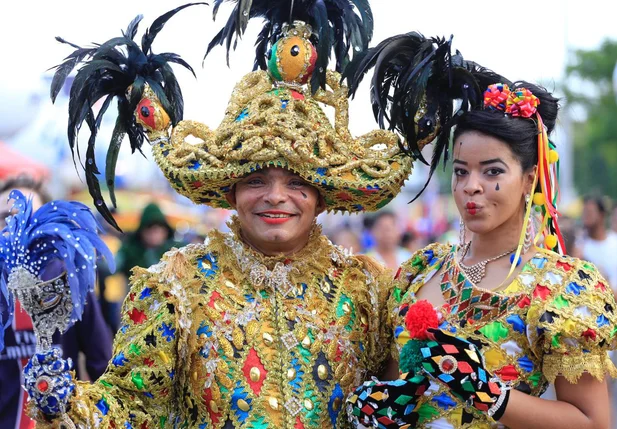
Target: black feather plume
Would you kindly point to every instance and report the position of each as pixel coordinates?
(107, 71)
(416, 81)
(339, 25)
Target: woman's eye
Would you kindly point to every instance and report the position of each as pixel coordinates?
(460, 172)
(494, 171)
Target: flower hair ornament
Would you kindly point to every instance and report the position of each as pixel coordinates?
(522, 103)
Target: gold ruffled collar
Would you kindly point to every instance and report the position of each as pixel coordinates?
(280, 273)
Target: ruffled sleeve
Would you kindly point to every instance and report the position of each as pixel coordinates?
(572, 322)
(139, 387)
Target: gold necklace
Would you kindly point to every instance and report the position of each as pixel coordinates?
(476, 272)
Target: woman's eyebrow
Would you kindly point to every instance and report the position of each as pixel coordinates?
(492, 161)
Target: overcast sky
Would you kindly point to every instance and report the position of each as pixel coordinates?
(524, 39)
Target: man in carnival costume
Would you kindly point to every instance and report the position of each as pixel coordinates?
(270, 325)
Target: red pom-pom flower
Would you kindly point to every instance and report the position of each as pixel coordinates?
(522, 103)
(420, 317)
(496, 96)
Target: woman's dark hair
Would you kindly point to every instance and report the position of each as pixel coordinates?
(520, 134)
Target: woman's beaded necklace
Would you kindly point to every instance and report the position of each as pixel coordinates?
(476, 272)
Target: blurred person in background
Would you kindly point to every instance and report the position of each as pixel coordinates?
(599, 244)
(614, 221)
(146, 245)
(387, 234)
(89, 336)
(412, 241)
(347, 238)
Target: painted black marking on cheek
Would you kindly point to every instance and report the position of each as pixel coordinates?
(497, 186)
(304, 195)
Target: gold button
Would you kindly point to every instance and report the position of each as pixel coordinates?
(337, 404)
(273, 402)
(306, 342)
(363, 319)
(346, 307)
(308, 404)
(268, 340)
(291, 373)
(322, 372)
(243, 405)
(214, 407)
(255, 374)
(229, 284)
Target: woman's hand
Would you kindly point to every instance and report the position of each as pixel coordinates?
(459, 365)
(49, 382)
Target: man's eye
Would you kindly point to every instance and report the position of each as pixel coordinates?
(296, 184)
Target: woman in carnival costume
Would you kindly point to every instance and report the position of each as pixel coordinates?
(482, 327)
(269, 325)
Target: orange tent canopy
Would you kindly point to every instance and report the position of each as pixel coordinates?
(13, 163)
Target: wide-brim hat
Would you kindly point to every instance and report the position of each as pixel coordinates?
(269, 124)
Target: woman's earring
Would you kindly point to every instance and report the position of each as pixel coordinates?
(529, 231)
(462, 239)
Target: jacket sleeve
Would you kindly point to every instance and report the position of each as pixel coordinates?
(137, 388)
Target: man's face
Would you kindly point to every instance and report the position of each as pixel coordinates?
(276, 209)
(6, 205)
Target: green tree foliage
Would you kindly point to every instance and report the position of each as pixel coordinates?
(595, 138)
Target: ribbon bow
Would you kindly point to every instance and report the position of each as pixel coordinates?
(519, 103)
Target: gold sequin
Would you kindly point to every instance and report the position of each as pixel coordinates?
(243, 405)
(322, 372)
(306, 342)
(255, 374)
(273, 402)
(291, 374)
(336, 405)
(214, 407)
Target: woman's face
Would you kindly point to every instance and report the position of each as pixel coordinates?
(488, 183)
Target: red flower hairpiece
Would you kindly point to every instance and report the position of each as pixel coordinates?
(519, 103)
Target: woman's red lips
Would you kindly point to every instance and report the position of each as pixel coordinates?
(472, 208)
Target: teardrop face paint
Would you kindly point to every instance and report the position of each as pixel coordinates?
(497, 187)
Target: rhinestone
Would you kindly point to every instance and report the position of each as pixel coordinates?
(293, 406)
(255, 374)
(289, 340)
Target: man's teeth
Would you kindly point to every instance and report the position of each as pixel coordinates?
(272, 215)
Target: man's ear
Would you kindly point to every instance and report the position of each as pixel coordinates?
(321, 205)
(231, 197)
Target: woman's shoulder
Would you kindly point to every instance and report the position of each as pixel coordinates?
(425, 258)
(566, 271)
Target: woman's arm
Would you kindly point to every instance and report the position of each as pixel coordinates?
(584, 405)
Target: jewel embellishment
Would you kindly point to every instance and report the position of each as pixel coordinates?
(448, 364)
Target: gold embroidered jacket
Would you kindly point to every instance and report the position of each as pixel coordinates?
(218, 336)
(556, 318)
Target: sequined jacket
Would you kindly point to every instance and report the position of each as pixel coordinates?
(217, 336)
(556, 318)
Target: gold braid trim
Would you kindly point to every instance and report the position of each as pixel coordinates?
(571, 367)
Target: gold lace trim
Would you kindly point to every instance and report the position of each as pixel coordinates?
(574, 365)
